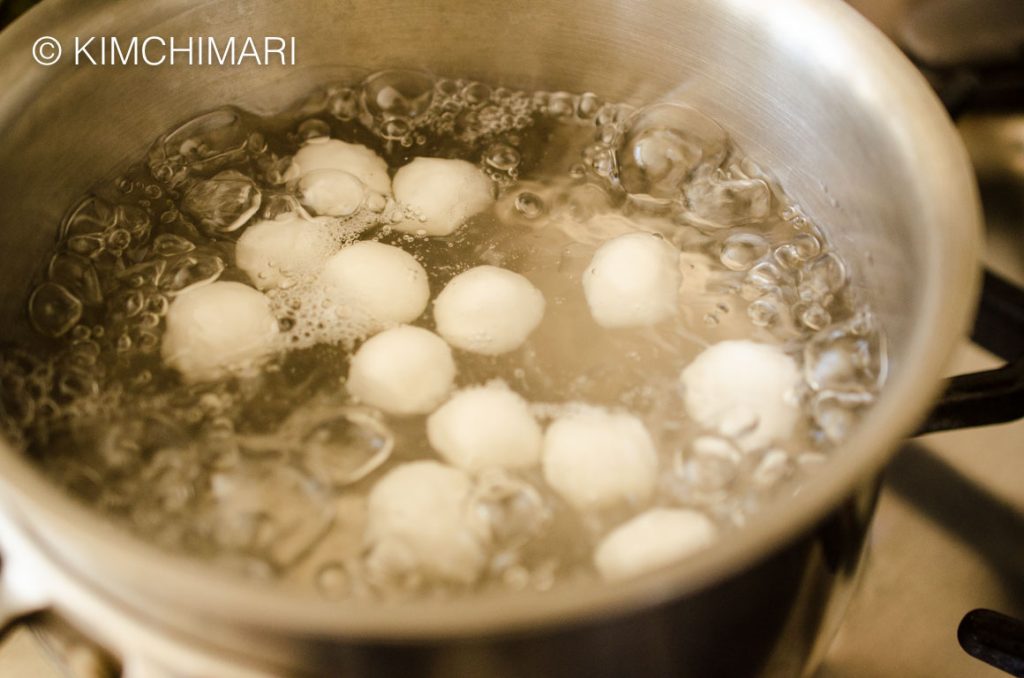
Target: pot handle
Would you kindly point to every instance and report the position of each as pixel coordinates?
(992, 396)
(994, 638)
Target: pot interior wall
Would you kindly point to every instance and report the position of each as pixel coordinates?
(825, 132)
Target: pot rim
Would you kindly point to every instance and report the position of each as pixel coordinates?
(137, 574)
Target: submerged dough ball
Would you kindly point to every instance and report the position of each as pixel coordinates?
(652, 540)
(595, 459)
(744, 390)
(403, 371)
(331, 193)
(384, 284)
(633, 280)
(217, 329)
(277, 251)
(487, 426)
(333, 154)
(488, 310)
(445, 192)
(419, 521)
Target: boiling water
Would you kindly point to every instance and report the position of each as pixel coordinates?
(268, 472)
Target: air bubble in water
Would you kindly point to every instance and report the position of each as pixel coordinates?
(134, 220)
(765, 276)
(224, 203)
(240, 521)
(741, 251)
(77, 383)
(476, 93)
(663, 144)
(806, 246)
(814, 316)
(343, 103)
(787, 256)
(822, 277)
(561, 104)
(764, 312)
(118, 240)
(86, 245)
(78, 275)
(132, 303)
(837, 412)
(313, 129)
(171, 245)
(397, 129)
(256, 143)
(146, 274)
(53, 310)
(727, 202)
(502, 157)
(396, 97)
(529, 205)
(587, 106)
(846, 358)
(202, 145)
(709, 467)
(192, 270)
(601, 160)
(511, 509)
(91, 216)
(346, 447)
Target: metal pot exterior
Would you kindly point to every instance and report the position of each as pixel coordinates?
(806, 87)
(773, 619)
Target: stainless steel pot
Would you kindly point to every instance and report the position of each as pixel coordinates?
(806, 87)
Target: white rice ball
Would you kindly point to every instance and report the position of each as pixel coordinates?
(403, 371)
(275, 252)
(333, 154)
(488, 310)
(633, 280)
(331, 193)
(483, 427)
(745, 391)
(652, 540)
(383, 284)
(596, 459)
(445, 192)
(419, 522)
(218, 329)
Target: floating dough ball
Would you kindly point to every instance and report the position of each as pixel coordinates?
(403, 371)
(488, 310)
(445, 192)
(652, 540)
(333, 154)
(595, 459)
(745, 391)
(331, 193)
(276, 252)
(419, 522)
(217, 329)
(633, 280)
(385, 285)
(487, 426)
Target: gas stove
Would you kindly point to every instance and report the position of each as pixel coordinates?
(947, 536)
